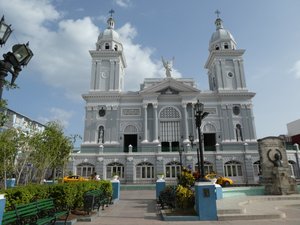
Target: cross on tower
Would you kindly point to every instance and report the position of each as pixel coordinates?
(218, 13)
(111, 12)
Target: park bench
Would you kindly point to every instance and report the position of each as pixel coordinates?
(39, 212)
(94, 199)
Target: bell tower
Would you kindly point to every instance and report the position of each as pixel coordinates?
(225, 61)
(108, 61)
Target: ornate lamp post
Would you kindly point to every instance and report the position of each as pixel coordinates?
(5, 31)
(12, 61)
(199, 116)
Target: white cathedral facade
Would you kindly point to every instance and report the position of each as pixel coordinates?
(138, 135)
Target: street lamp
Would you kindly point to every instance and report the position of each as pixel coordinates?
(199, 116)
(12, 61)
(5, 31)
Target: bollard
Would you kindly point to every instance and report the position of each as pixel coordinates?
(2, 206)
(205, 202)
(160, 186)
(116, 190)
(10, 182)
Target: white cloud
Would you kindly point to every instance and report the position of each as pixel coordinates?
(60, 115)
(123, 3)
(60, 47)
(138, 58)
(296, 69)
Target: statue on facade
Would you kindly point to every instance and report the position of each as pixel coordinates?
(168, 66)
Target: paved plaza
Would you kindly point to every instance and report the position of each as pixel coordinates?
(138, 207)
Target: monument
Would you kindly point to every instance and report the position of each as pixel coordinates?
(275, 170)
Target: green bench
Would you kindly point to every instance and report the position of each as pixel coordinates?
(39, 212)
(94, 199)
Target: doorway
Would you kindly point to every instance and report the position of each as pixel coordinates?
(210, 142)
(130, 139)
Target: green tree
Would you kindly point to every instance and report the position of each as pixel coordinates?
(8, 146)
(51, 149)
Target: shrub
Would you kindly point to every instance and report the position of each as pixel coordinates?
(185, 197)
(186, 178)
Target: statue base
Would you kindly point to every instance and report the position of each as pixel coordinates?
(281, 183)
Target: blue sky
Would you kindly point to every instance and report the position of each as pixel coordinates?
(61, 32)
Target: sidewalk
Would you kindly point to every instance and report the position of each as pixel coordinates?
(138, 207)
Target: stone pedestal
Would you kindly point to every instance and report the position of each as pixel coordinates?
(160, 186)
(2, 206)
(205, 202)
(116, 190)
(275, 170)
(282, 183)
(10, 182)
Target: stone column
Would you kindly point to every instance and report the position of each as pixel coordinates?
(155, 123)
(145, 107)
(186, 128)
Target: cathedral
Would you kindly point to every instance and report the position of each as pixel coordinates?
(138, 135)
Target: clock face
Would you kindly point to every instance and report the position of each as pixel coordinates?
(102, 112)
(104, 74)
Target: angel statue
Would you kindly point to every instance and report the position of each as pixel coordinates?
(168, 66)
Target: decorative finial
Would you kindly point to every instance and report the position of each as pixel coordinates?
(218, 13)
(111, 12)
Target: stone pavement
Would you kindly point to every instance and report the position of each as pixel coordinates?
(138, 207)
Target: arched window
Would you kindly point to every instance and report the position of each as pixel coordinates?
(172, 169)
(85, 169)
(116, 48)
(101, 135)
(238, 132)
(144, 170)
(293, 167)
(256, 168)
(106, 46)
(233, 169)
(169, 128)
(115, 169)
(208, 167)
(217, 47)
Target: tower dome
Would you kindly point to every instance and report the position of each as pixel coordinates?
(221, 39)
(109, 38)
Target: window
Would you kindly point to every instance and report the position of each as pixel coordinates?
(233, 169)
(116, 48)
(169, 125)
(256, 168)
(172, 169)
(236, 110)
(85, 169)
(208, 168)
(144, 170)
(217, 47)
(293, 168)
(115, 169)
(226, 46)
(106, 46)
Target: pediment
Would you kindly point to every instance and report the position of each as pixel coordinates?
(169, 86)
